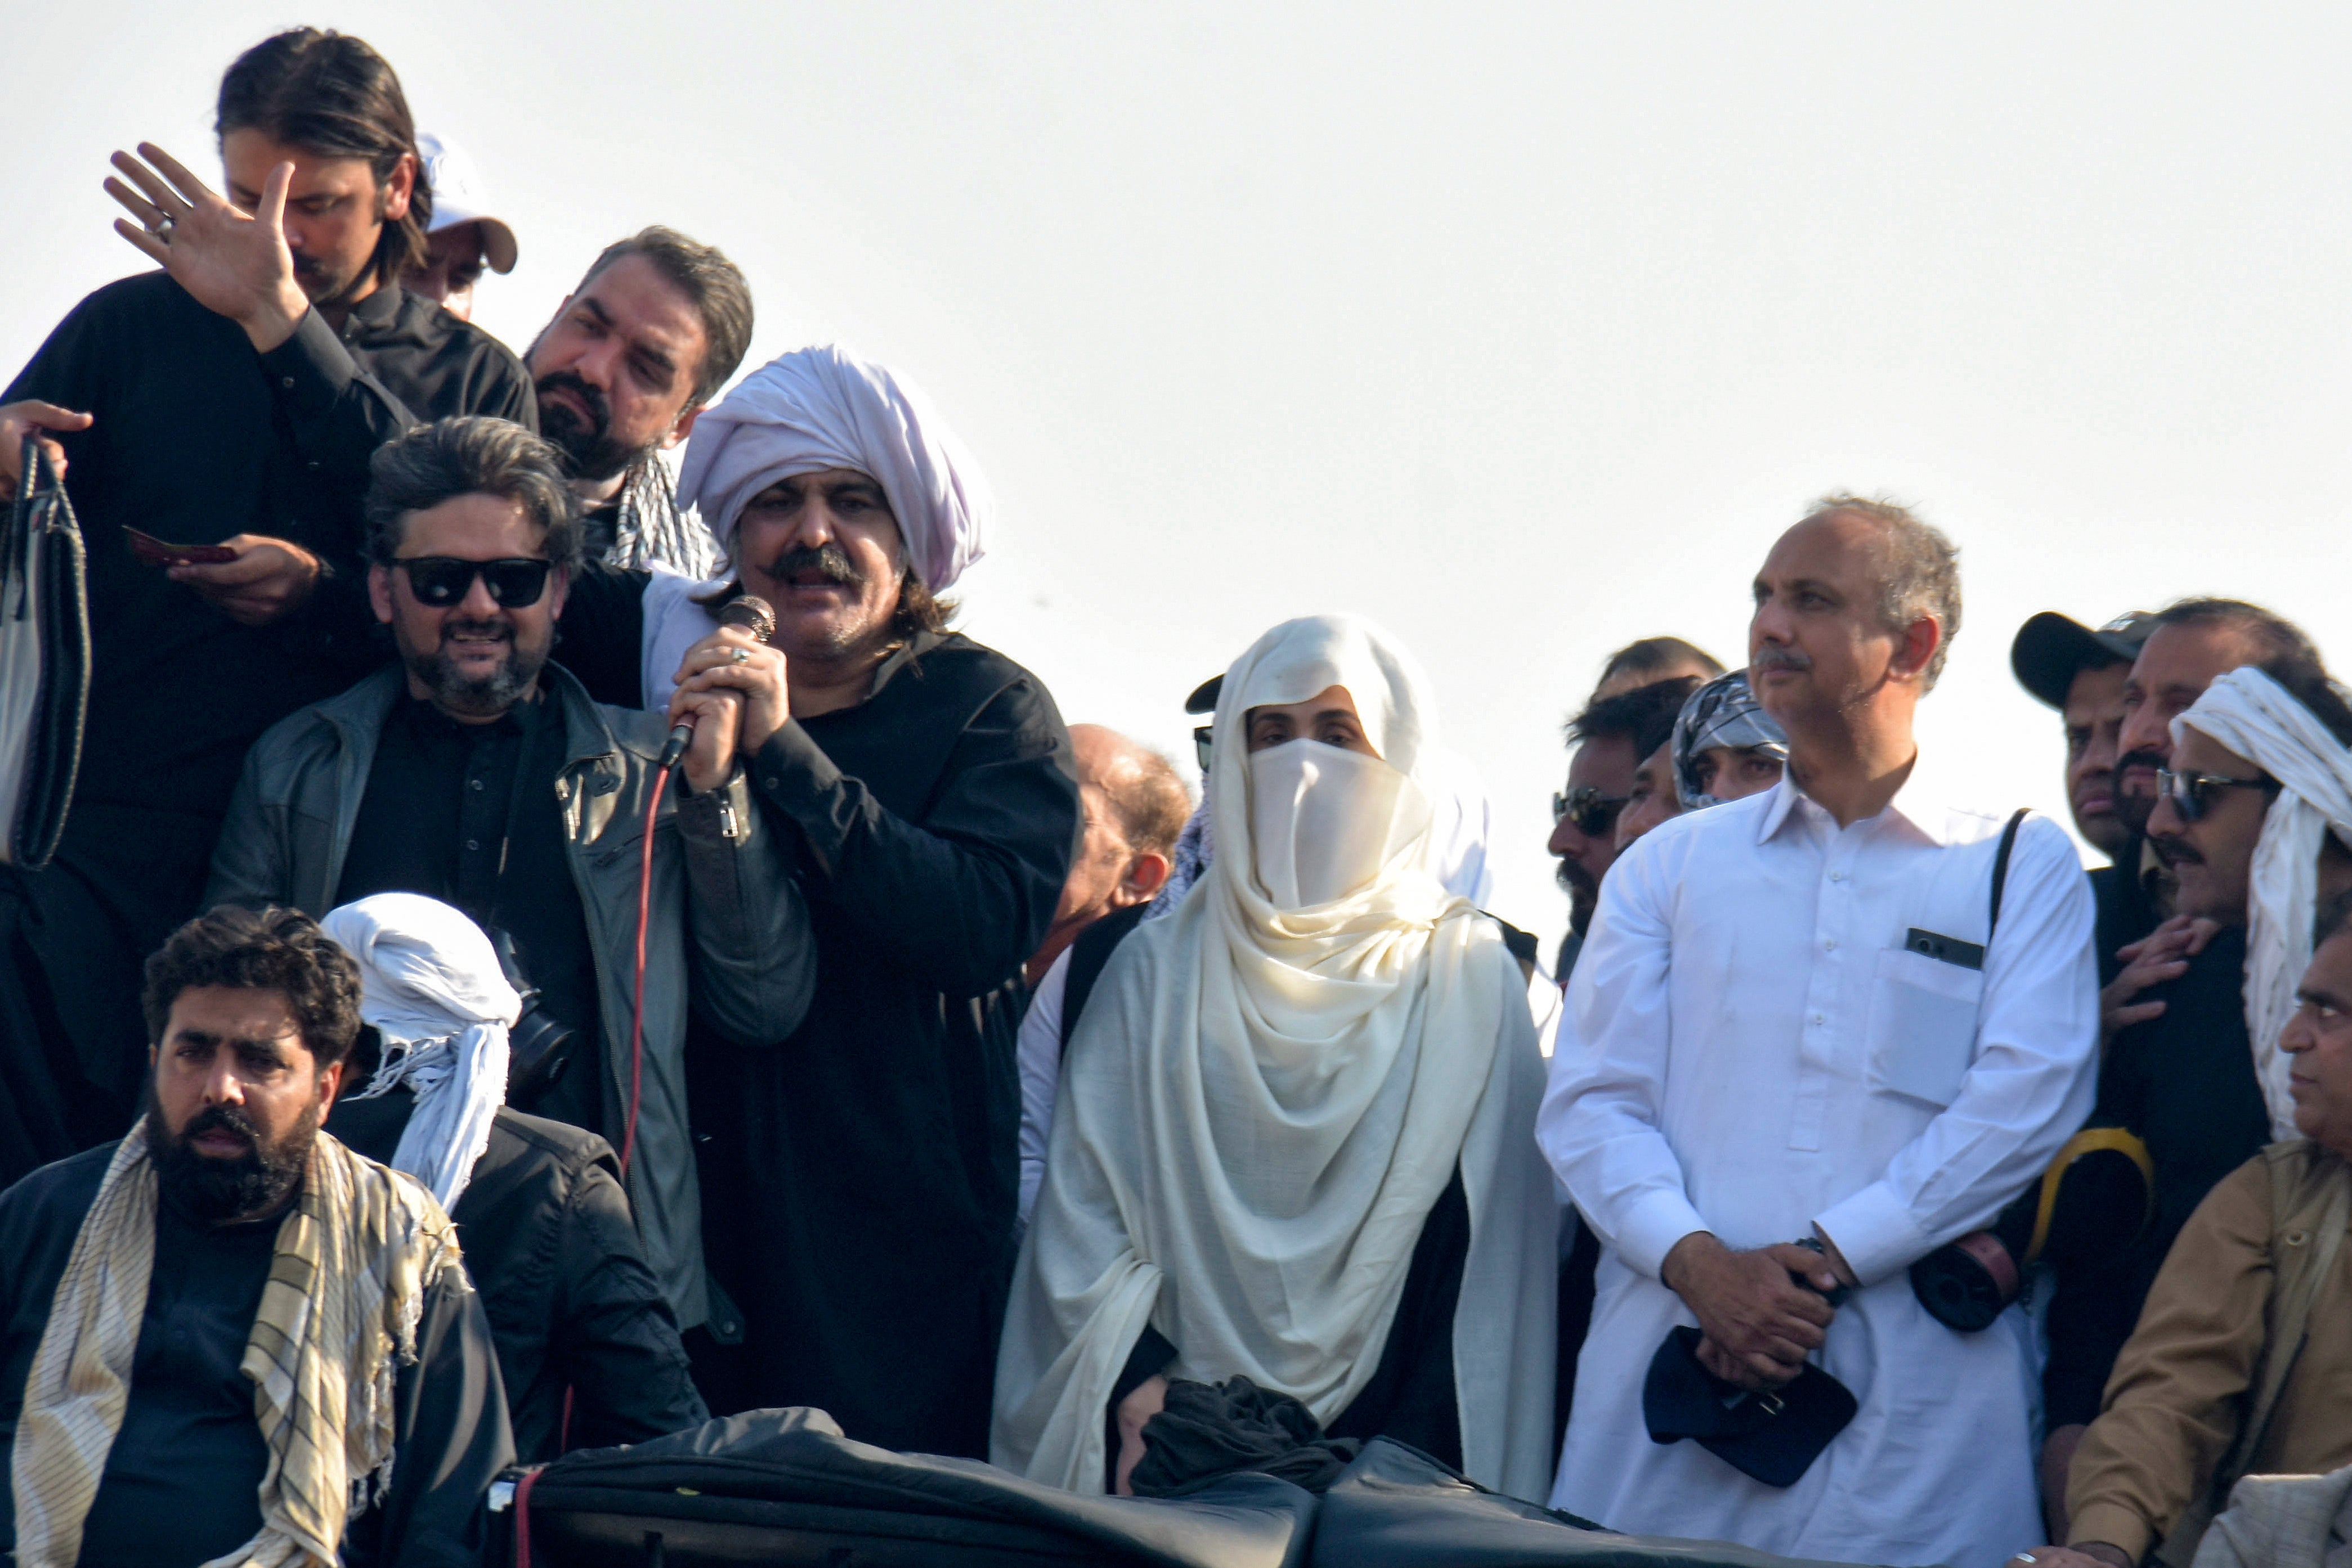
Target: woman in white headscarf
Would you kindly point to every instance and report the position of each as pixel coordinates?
(1277, 1091)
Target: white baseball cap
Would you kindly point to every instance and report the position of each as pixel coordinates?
(458, 197)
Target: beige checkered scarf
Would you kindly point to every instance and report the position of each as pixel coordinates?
(355, 1255)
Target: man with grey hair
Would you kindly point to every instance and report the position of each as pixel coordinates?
(476, 771)
(1796, 1058)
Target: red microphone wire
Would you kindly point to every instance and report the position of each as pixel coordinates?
(637, 997)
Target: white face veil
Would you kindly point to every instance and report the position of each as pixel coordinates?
(1271, 1087)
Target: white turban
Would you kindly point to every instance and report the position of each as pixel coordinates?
(826, 408)
(431, 985)
(2260, 719)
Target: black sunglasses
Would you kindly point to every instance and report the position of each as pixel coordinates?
(1593, 812)
(441, 580)
(2190, 793)
(1204, 735)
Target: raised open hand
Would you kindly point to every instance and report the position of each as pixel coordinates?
(233, 263)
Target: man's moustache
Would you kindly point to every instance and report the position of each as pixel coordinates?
(829, 559)
(600, 413)
(2142, 758)
(1780, 659)
(2174, 851)
(221, 1119)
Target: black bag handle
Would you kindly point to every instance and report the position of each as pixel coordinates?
(2000, 868)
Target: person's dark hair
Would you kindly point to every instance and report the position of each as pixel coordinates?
(1654, 657)
(1922, 577)
(268, 949)
(714, 285)
(471, 454)
(333, 97)
(919, 609)
(2288, 655)
(1644, 716)
(1152, 803)
(2333, 919)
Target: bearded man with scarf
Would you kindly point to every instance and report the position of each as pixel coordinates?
(1294, 1140)
(588, 1347)
(227, 1339)
(870, 1159)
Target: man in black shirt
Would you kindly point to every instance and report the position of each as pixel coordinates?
(231, 399)
(870, 1160)
(225, 1187)
(479, 773)
(2179, 1068)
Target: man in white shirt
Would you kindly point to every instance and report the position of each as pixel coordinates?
(1793, 1023)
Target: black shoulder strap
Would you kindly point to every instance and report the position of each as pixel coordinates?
(1087, 955)
(2000, 868)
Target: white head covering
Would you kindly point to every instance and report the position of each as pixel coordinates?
(458, 196)
(430, 984)
(826, 408)
(2260, 719)
(1271, 1088)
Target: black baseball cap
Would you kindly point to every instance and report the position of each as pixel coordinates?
(2051, 649)
(1205, 696)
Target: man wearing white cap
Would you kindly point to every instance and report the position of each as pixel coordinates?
(868, 1165)
(463, 237)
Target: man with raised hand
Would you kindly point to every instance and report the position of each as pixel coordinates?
(870, 1160)
(1795, 1059)
(228, 402)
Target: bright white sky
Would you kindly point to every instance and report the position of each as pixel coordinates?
(1523, 331)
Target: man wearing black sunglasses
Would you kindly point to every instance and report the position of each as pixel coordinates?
(1612, 736)
(478, 771)
(2180, 1067)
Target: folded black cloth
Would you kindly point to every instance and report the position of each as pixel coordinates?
(1772, 1438)
(1206, 1431)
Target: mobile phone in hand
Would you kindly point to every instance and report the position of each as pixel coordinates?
(154, 552)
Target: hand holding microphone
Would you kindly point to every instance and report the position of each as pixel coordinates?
(731, 695)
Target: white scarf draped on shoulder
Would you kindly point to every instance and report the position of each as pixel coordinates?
(1271, 1088)
(2260, 719)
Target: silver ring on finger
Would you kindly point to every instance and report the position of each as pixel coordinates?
(743, 656)
(162, 229)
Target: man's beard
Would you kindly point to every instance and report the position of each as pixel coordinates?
(589, 451)
(485, 696)
(1583, 894)
(216, 1191)
(2134, 810)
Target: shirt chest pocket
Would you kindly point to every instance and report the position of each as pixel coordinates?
(1922, 1033)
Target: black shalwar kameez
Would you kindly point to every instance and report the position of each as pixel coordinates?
(860, 1179)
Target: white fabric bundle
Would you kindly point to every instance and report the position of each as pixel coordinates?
(2260, 719)
(824, 407)
(1271, 1088)
(431, 986)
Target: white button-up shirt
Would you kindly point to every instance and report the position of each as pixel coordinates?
(1756, 1044)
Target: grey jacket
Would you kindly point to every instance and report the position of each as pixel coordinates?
(718, 871)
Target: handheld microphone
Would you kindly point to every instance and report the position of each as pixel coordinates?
(755, 615)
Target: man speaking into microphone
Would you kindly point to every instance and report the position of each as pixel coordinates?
(477, 771)
(871, 1161)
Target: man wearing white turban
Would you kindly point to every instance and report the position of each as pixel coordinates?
(587, 1345)
(1295, 1138)
(870, 1162)
(2255, 817)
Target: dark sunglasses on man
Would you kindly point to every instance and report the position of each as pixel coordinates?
(441, 580)
(1593, 812)
(2191, 793)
